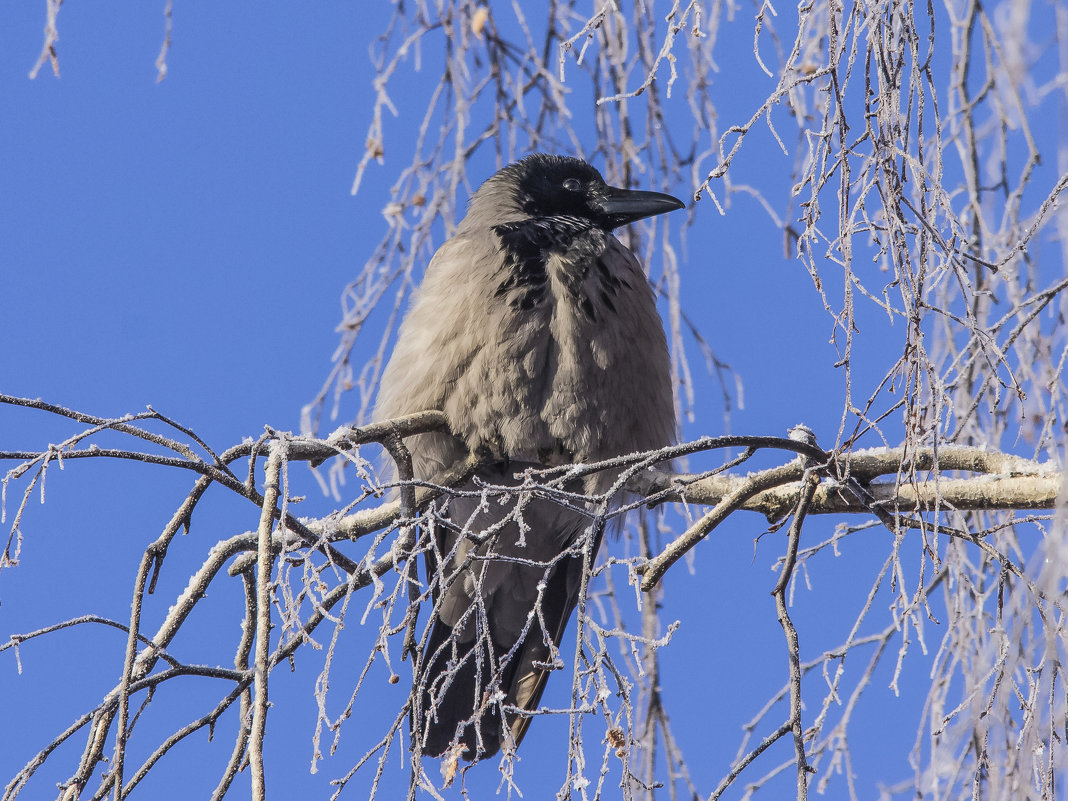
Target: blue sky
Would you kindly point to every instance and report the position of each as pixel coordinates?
(185, 244)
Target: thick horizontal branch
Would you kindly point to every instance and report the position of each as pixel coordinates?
(1007, 482)
(990, 493)
(348, 437)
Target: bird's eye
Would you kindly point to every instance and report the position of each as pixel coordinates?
(572, 184)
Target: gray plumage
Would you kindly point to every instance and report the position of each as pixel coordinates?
(536, 332)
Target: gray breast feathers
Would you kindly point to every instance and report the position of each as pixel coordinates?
(533, 352)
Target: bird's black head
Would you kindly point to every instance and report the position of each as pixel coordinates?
(557, 186)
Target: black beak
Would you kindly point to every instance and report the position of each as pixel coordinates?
(621, 206)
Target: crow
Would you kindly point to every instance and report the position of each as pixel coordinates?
(536, 332)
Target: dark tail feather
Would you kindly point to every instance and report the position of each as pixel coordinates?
(449, 695)
(449, 701)
(457, 670)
